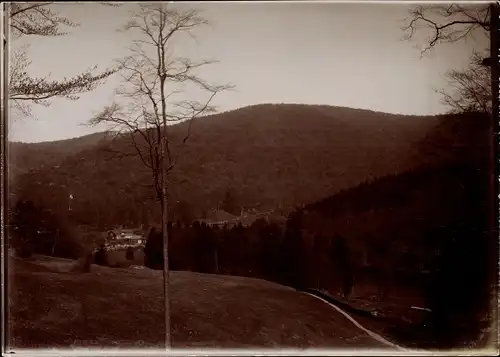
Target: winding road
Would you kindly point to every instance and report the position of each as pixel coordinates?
(370, 333)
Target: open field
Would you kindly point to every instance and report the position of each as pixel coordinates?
(53, 307)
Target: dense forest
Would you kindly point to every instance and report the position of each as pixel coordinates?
(405, 213)
(310, 152)
(421, 238)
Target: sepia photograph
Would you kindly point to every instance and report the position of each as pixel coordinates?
(250, 177)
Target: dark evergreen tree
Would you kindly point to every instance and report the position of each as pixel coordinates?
(292, 273)
(129, 255)
(153, 250)
(229, 203)
(341, 259)
(101, 256)
(271, 260)
(36, 229)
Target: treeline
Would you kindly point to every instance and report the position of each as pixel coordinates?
(310, 152)
(245, 251)
(423, 234)
(427, 233)
(423, 237)
(34, 228)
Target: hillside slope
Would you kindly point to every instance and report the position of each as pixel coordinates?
(124, 308)
(420, 238)
(30, 156)
(269, 155)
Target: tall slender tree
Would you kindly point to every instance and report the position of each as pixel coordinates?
(151, 97)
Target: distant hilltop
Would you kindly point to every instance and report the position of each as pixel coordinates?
(270, 155)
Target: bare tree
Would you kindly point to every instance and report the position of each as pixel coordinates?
(451, 23)
(471, 88)
(153, 83)
(39, 19)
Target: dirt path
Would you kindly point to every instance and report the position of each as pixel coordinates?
(370, 333)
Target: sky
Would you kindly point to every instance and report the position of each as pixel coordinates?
(342, 54)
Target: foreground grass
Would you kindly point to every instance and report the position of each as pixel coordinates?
(52, 307)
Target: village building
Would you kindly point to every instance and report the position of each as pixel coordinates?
(221, 218)
(125, 237)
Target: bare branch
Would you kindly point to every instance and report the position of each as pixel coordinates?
(152, 78)
(447, 23)
(471, 88)
(153, 87)
(39, 19)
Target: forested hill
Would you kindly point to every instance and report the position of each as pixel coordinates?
(265, 156)
(25, 156)
(418, 238)
(423, 236)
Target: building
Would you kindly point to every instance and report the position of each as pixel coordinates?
(125, 237)
(221, 218)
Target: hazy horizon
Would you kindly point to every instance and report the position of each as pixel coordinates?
(209, 115)
(303, 53)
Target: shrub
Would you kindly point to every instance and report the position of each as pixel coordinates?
(101, 256)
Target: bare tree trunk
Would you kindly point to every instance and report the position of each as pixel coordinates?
(164, 171)
(164, 219)
(494, 53)
(216, 261)
(494, 83)
(158, 25)
(55, 242)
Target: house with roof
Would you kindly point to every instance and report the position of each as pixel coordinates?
(222, 218)
(125, 237)
(219, 218)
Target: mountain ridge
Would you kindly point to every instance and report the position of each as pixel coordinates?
(270, 154)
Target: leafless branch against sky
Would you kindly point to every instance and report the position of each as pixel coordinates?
(448, 23)
(470, 89)
(467, 89)
(151, 76)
